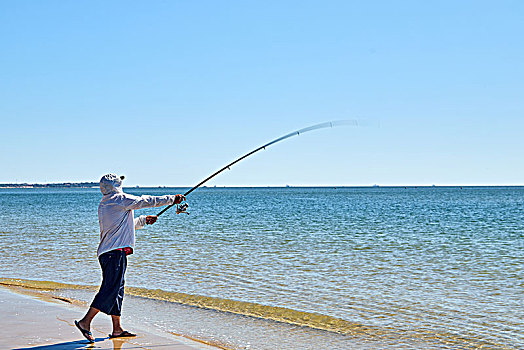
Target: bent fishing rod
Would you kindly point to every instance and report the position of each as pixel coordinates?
(182, 208)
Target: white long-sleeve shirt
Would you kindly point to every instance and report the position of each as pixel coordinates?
(116, 218)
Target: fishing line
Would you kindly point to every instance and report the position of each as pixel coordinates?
(181, 208)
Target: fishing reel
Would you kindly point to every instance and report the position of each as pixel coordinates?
(182, 208)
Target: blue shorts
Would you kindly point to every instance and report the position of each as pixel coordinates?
(111, 294)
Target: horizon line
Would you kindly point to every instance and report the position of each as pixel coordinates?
(95, 184)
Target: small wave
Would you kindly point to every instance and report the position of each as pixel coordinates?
(274, 313)
(42, 285)
(279, 314)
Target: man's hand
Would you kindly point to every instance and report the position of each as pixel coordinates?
(179, 198)
(151, 219)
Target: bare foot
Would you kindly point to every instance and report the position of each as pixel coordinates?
(85, 332)
(122, 334)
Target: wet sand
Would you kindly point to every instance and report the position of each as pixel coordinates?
(32, 321)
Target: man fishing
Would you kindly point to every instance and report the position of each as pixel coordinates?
(117, 240)
(117, 234)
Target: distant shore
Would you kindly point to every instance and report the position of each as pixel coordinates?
(52, 185)
(96, 185)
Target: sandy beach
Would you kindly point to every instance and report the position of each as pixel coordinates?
(33, 321)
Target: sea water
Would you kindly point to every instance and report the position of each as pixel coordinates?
(296, 268)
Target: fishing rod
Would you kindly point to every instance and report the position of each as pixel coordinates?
(182, 208)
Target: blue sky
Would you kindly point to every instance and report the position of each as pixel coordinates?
(167, 92)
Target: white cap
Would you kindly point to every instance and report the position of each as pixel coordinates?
(111, 183)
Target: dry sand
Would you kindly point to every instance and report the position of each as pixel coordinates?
(34, 322)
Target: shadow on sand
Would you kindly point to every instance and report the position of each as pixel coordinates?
(85, 345)
(70, 345)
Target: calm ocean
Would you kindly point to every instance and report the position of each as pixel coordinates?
(297, 268)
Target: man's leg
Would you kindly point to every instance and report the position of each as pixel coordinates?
(117, 327)
(84, 325)
(113, 269)
(116, 310)
(85, 322)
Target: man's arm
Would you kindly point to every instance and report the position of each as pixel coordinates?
(140, 222)
(134, 202)
(143, 220)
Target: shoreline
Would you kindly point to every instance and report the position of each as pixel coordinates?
(34, 319)
(244, 309)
